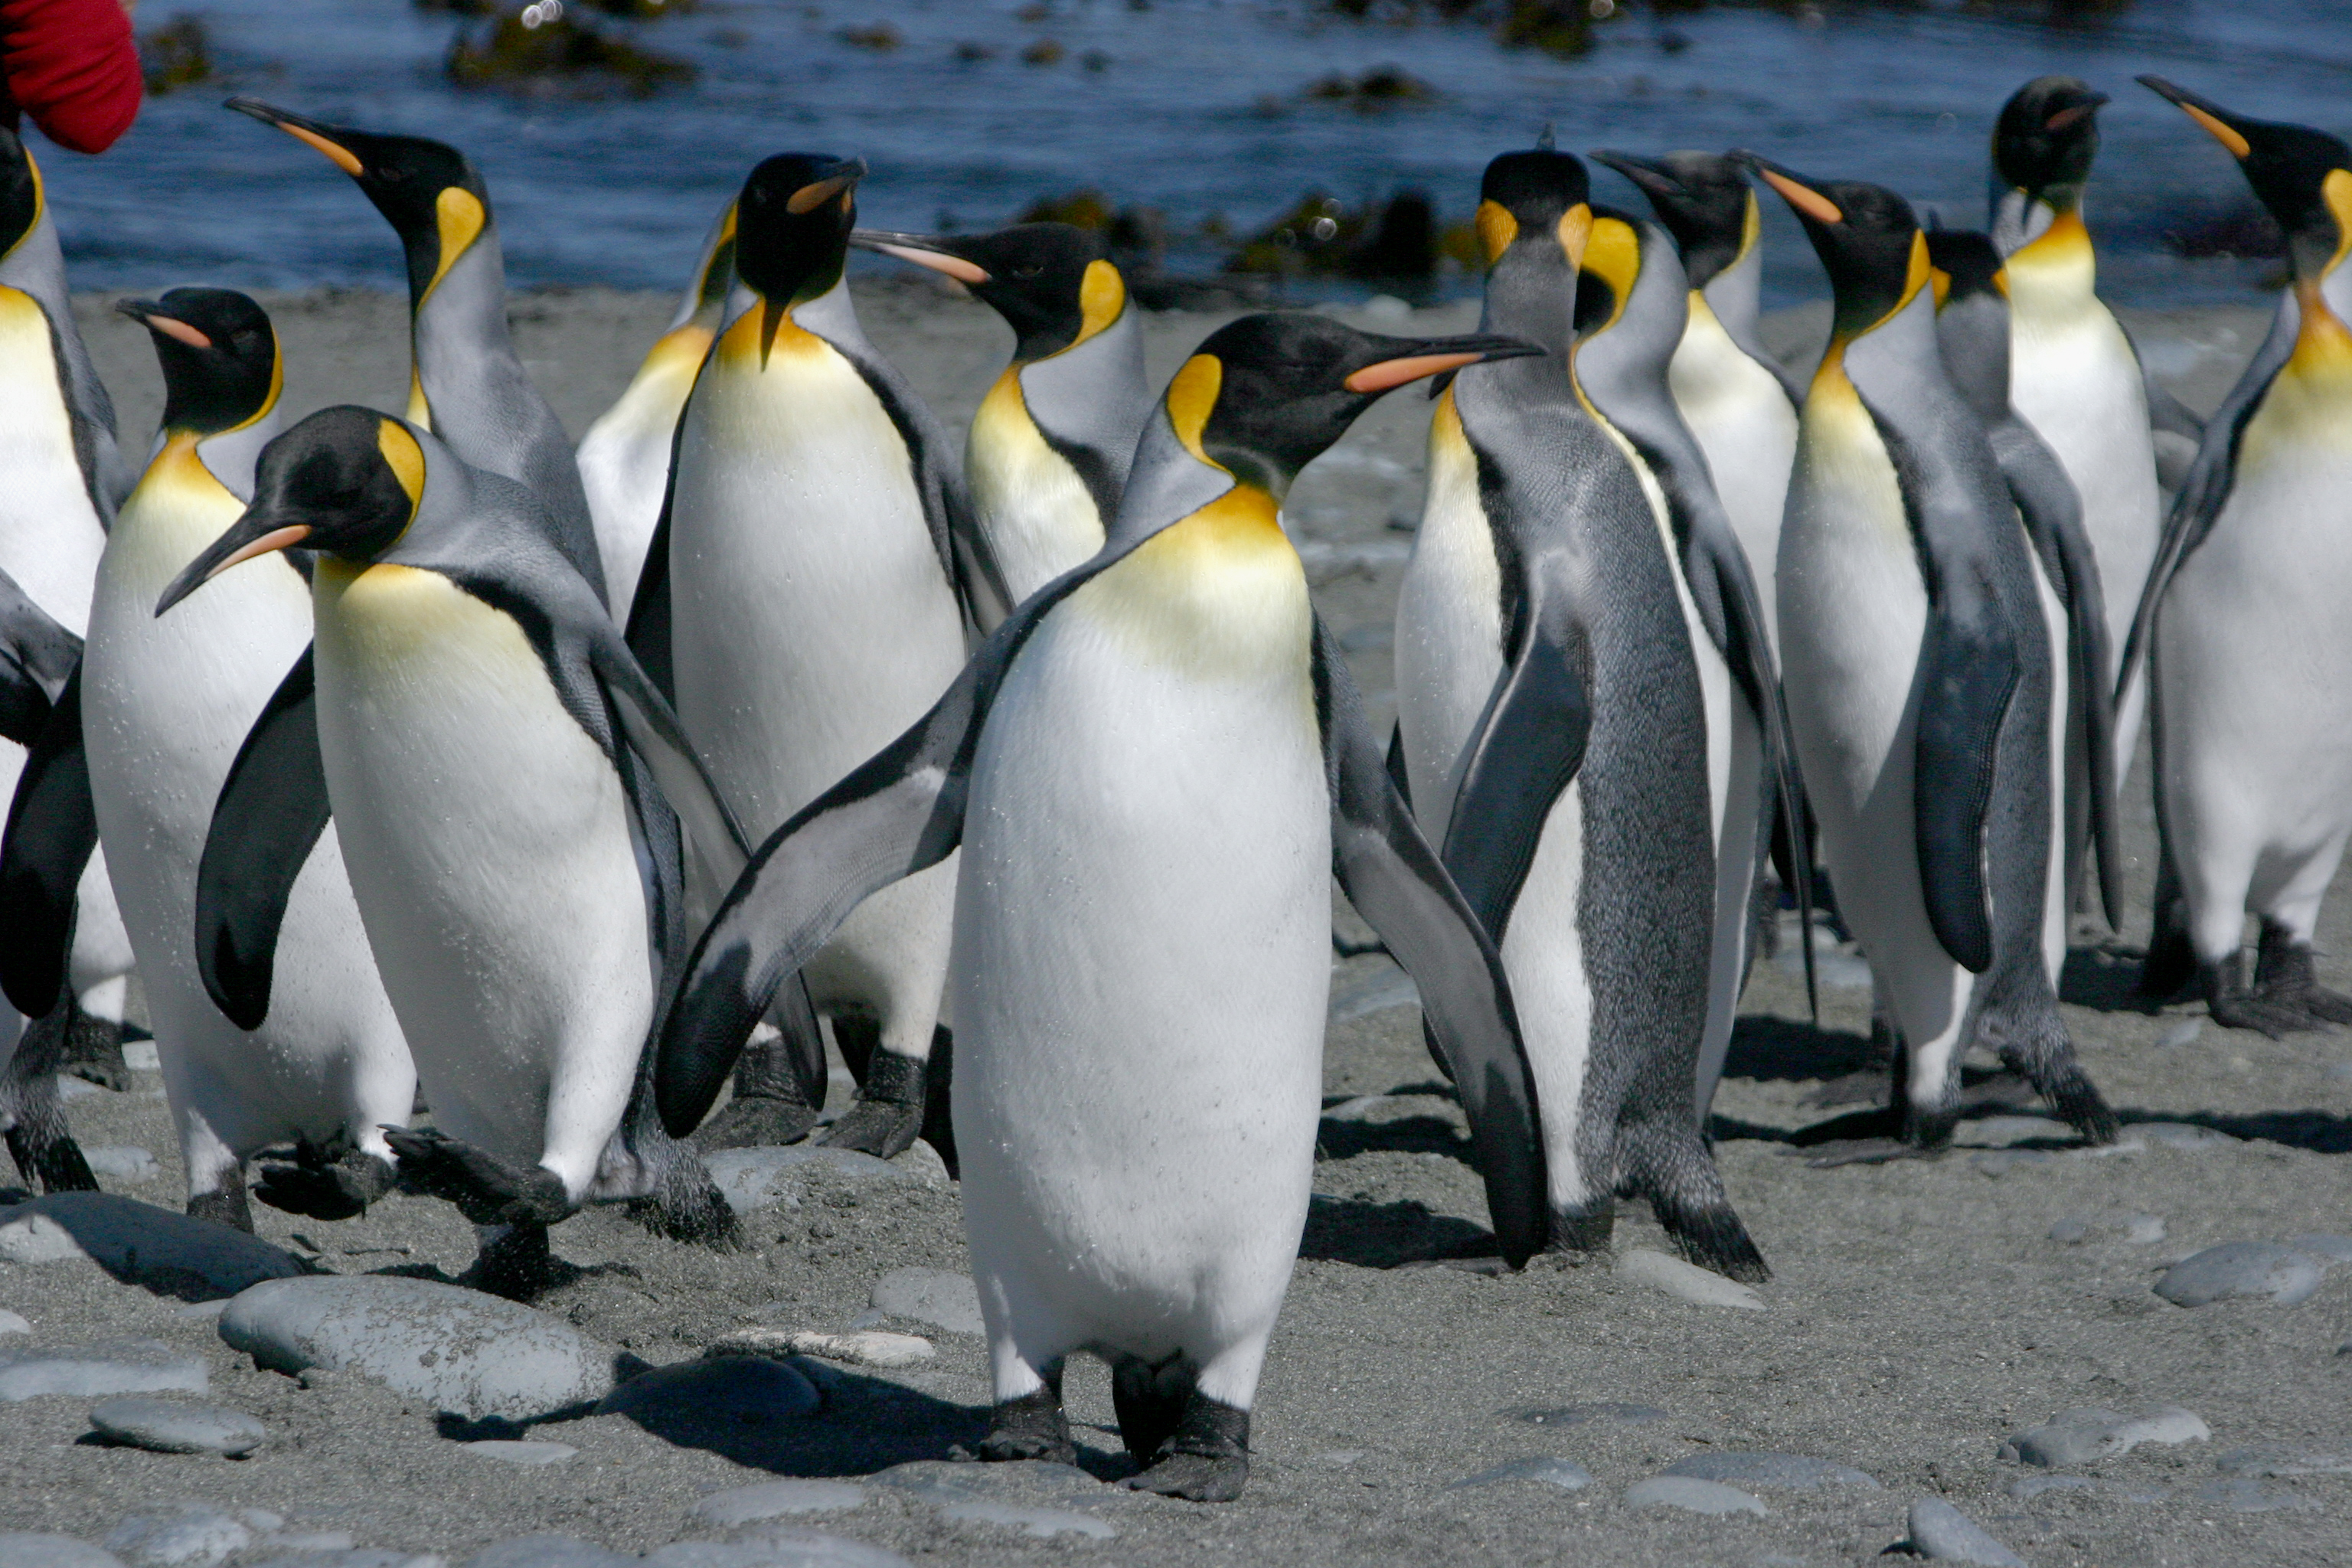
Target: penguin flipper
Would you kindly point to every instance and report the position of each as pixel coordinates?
(652, 727)
(52, 831)
(2053, 513)
(648, 627)
(37, 656)
(1967, 673)
(271, 810)
(1403, 890)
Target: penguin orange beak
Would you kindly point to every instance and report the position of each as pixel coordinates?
(923, 251)
(316, 133)
(833, 187)
(1436, 356)
(1793, 189)
(148, 314)
(247, 537)
(2215, 118)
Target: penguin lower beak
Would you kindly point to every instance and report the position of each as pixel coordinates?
(1652, 177)
(1434, 356)
(247, 537)
(843, 178)
(1794, 188)
(148, 314)
(923, 251)
(315, 132)
(2216, 119)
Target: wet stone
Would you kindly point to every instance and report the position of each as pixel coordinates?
(1685, 1281)
(2244, 1494)
(1041, 1523)
(1942, 1533)
(2085, 1437)
(1561, 1473)
(2184, 1033)
(515, 1451)
(773, 1500)
(117, 1367)
(24, 1550)
(762, 1178)
(193, 1537)
(1692, 1496)
(947, 1301)
(2236, 1269)
(1794, 1471)
(170, 1427)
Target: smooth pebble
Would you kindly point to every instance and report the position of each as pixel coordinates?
(773, 1546)
(1943, 1533)
(1567, 1476)
(771, 1499)
(195, 1537)
(2131, 1229)
(172, 1253)
(1686, 1281)
(2241, 1268)
(12, 1323)
(27, 1549)
(947, 1301)
(2282, 1462)
(1794, 1471)
(2085, 1437)
(1388, 987)
(1998, 1132)
(549, 1551)
(521, 1451)
(730, 1391)
(764, 1177)
(171, 1426)
(858, 1347)
(117, 1367)
(2330, 1252)
(2183, 1135)
(2244, 1494)
(1043, 1523)
(124, 1162)
(2181, 1034)
(1692, 1495)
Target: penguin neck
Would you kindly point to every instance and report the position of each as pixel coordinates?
(2056, 272)
(1093, 394)
(1972, 334)
(1889, 353)
(459, 327)
(36, 266)
(1166, 484)
(1734, 294)
(2322, 343)
(1532, 295)
(229, 456)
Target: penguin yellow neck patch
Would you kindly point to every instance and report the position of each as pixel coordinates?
(405, 457)
(2335, 190)
(1613, 255)
(1102, 296)
(1191, 398)
(462, 218)
(1575, 233)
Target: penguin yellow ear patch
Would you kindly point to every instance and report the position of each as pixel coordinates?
(1102, 295)
(1613, 255)
(1575, 233)
(2335, 190)
(462, 219)
(1193, 397)
(1497, 229)
(404, 456)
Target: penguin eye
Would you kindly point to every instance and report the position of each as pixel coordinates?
(1028, 272)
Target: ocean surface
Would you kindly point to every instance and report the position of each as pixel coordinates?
(1199, 108)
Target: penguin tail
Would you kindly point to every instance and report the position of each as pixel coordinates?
(2032, 1043)
(1663, 1160)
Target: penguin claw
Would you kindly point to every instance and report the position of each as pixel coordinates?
(1195, 1477)
(484, 1188)
(342, 1190)
(750, 1121)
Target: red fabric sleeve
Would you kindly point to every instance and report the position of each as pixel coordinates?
(71, 65)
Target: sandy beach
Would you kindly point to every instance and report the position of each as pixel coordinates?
(1921, 1312)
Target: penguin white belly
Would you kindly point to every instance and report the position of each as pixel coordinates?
(1853, 612)
(1449, 624)
(625, 460)
(50, 536)
(1037, 515)
(1746, 427)
(2055, 912)
(812, 624)
(488, 841)
(166, 702)
(1143, 969)
(2254, 676)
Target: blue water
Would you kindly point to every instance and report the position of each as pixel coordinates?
(1198, 109)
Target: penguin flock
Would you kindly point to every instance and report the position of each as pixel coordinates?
(426, 763)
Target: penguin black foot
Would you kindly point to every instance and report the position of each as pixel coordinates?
(756, 1121)
(1033, 1427)
(2284, 978)
(224, 1204)
(518, 1265)
(1205, 1459)
(485, 1188)
(686, 1206)
(1582, 1238)
(49, 1156)
(888, 1114)
(93, 1050)
(319, 1189)
(1661, 1158)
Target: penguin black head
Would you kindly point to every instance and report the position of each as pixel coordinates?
(429, 192)
(1965, 264)
(1269, 393)
(1051, 282)
(1868, 239)
(345, 482)
(793, 223)
(2043, 143)
(1704, 201)
(1532, 196)
(2304, 176)
(219, 354)
(1612, 265)
(20, 191)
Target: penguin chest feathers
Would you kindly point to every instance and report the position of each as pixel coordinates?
(1041, 519)
(50, 536)
(1220, 596)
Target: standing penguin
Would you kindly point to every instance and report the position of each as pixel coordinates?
(165, 704)
(1920, 678)
(1155, 767)
(489, 750)
(806, 590)
(1048, 450)
(61, 477)
(1740, 402)
(466, 382)
(1555, 732)
(2242, 622)
(625, 456)
(1630, 306)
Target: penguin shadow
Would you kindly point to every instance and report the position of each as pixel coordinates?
(2319, 1131)
(1768, 1047)
(2105, 978)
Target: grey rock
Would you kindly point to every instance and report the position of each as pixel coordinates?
(2000, 1132)
(2241, 1269)
(2132, 1229)
(194, 1537)
(1028, 1480)
(772, 1500)
(1043, 1523)
(117, 1367)
(516, 1451)
(549, 1551)
(124, 1162)
(335, 1542)
(1692, 1495)
(947, 1301)
(773, 1546)
(141, 1056)
(170, 1427)
(2183, 1135)
(2181, 1034)
(2244, 1494)
(462, 1349)
(1793, 1471)
(2085, 1437)
(1577, 1414)
(361, 1557)
(764, 1177)
(1943, 1533)
(24, 1550)
(14, 1324)
(2282, 1462)
(1999, 1162)
(2027, 1488)
(140, 1244)
(1560, 1473)
(2330, 1252)
(859, 1347)
(735, 1391)
(1685, 1281)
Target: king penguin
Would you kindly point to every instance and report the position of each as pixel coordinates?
(1631, 300)
(1917, 659)
(1154, 768)
(489, 750)
(61, 478)
(1555, 732)
(2242, 623)
(807, 591)
(165, 705)
(625, 456)
(1048, 450)
(466, 382)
